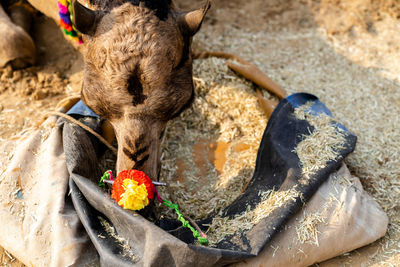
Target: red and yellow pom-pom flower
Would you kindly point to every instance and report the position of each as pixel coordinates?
(132, 189)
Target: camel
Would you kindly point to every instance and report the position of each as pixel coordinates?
(137, 68)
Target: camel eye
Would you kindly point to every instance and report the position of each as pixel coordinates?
(135, 89)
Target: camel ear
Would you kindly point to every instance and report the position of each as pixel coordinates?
(85, 20)
(190, 22)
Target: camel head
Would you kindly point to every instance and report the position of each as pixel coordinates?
(138, 71)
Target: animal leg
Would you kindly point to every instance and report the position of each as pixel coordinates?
(21, 13)
(16, 46)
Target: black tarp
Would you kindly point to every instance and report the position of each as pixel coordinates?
(166, 243)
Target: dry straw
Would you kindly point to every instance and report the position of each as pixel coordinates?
(124, 244)
(317, 148)
(357, 77)
(321, 145)
(222, 227)
(225, 111)
(307, 228)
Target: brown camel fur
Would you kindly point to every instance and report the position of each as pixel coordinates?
(138, 73)
(138, 69)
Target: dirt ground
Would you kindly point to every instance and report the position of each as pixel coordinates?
(345, 52)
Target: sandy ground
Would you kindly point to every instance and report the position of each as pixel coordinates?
(345, 52)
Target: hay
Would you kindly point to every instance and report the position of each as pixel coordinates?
(356, 76)
(307, 228)
(222, 227)
(225, 111)
(321, 145)
(124, 244)
(212, 117)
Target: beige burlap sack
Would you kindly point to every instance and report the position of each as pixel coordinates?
(39, 224)
(340, 217)
(41, 227)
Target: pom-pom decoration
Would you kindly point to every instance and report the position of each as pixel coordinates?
(132, 189)
(65, 13)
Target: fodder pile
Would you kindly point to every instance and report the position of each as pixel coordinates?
(225, 114)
